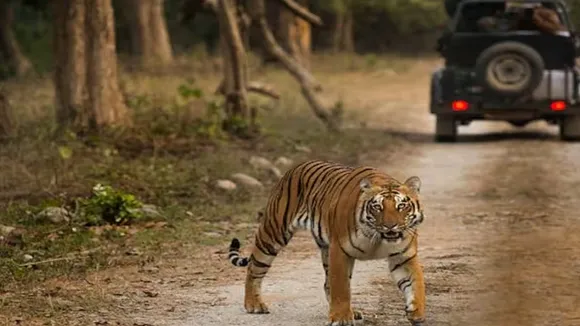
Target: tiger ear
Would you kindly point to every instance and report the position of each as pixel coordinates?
(365, 184)
(414, 183)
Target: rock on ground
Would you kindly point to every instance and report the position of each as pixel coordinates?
(276, 172)
(55, 215)
(226, 184)
(283, 161)
(260, 162)
(247, 180)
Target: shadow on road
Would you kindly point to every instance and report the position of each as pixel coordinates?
(422, 138)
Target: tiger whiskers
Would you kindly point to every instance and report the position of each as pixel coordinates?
(410, 231)
(376, 237)
(373, 235)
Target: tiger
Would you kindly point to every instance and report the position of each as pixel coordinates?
(353, 213)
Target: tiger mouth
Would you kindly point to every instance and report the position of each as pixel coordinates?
(392, 235)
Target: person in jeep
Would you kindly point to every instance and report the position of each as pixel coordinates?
(547, 20)
(538, 17)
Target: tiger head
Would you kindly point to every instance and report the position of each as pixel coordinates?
(390, 212)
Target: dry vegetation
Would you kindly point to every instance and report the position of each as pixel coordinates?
(170, 158)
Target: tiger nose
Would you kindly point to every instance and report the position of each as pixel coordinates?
(389, 225)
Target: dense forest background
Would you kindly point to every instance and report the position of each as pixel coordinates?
(362, 26)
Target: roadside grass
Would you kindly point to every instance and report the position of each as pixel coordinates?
(171, 158)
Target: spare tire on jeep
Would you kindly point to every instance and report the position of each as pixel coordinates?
(509, 69)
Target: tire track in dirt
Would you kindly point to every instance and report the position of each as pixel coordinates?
(534, 263)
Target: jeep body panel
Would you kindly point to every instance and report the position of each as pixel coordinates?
(448, 85)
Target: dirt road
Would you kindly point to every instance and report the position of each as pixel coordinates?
(500, 244)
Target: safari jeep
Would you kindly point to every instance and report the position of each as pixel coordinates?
(511, 72)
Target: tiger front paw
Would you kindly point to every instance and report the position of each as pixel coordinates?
(256, 307)
(348, 319)
(415, 316)
(341, 323)
(417, 321)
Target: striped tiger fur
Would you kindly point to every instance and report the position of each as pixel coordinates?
(353, 214)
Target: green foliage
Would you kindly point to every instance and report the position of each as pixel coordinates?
(65, 152)
(187, 90)
(334, 6)
(138, 101)
(406, 15)
(33, 30)
(574, 7)
(215, 121)
(238, 126)
(409, 15)
(210, 125)
(110, 205)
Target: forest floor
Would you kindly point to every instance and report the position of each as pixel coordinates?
(500, 244)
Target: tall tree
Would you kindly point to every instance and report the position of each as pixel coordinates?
(343, 31)
(9, 47)
(86, 82)
(149, 36)
(6, 117)
(294, 33)
(235, 85)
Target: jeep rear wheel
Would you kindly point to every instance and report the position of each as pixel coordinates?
(445, 128)
(570, 128)
(510, 69)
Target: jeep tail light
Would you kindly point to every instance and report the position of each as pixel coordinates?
(459, 105)
(558, 105)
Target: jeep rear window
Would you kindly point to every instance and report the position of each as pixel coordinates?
(492, 16)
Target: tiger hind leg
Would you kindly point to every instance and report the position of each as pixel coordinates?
(260, 261)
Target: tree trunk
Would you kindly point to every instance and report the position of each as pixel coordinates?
(347, 42)
(70, 74)
(6, 117)
(343, 35)
(105, 98)
(294, 34)
(86, 82)
(283, 27)
(310, 86)
(235, 69)
(337, 31)
(9, 46)
(302, 36)
(148, 28)
(160, 34)
(272, 9)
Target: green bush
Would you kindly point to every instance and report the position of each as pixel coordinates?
(110, 205)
